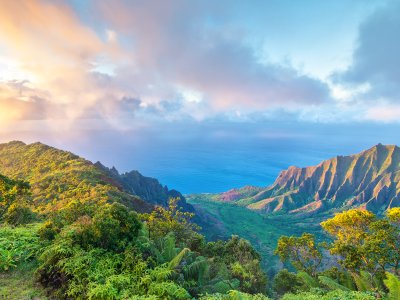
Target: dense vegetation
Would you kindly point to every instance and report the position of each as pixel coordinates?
(58, 177)
(69, 231)
(86, 244)
(321, 271)
(223, 219)
(363, 256)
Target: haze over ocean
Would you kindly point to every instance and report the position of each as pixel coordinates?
(217, 157)
(219, 161)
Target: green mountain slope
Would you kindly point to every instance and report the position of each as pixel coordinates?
(147, 188)
(59, 177)
(81, 243)
(370, 179)
(262, 231)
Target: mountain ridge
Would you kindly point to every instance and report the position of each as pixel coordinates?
(58, 177)
(369, 179)
(147, 188)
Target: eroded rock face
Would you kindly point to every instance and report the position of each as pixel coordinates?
(147, 188)
(369, 179)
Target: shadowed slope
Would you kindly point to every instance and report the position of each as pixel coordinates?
(147, 188)
(369, 179)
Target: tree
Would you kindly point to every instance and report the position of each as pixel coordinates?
(350, 229)
(393, 215)
(115, 226)
(240, 250)
(162, 221)
(381, 246)
(13, 192)
(366, 246)
(286, 282)
(302, 252)
(19, 214)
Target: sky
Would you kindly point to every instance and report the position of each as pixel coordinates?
(203, 95)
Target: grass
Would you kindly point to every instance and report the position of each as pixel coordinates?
(19, 284)
(18, 249)
(261, 230)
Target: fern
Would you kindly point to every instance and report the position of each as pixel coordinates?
(168, 290)
(198, 270)
(331, 284)
(160, 273)
(308, 281)
(174, 263)
(362, 281)
(224, 286)
(393, 284)
(169, 251)
(348, 281)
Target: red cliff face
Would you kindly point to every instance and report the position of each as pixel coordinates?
(370, 179)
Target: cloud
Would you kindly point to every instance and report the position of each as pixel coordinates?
(18, 101)
(141, 61)
(376, 60)
(386, 113)
(47, 42)
(177, 44)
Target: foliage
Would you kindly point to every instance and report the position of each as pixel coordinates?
(14, 200)
(342, 277)
(162, 220)
(58, 177)
(367, 246)
(332, 295)
(234, 295)
(393, 284)
(393, 215)
(301, 251)
(110, 255)
(331, 284)
(17, 245)
(286, 282)
(241, 261)
(308, 281)
(91, 245)
(350, 230)
(18, 214)
(113, 227)
(223, 219)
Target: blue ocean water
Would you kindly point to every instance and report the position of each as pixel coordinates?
(217, 158)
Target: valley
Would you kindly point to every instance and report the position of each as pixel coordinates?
(262, 231)
(64, 219)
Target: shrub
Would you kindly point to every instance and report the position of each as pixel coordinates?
(286, 282)
(19, 214)
(333, 295)
(17, 245)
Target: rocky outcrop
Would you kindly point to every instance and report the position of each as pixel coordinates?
(369, 179)
(147, 188)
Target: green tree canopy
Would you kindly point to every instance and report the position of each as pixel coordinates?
(301, 251)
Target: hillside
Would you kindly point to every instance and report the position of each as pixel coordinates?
(59, 177)
(262, 231)
(147, 188)
(79, 242)
(370, 179)
(64, 234)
